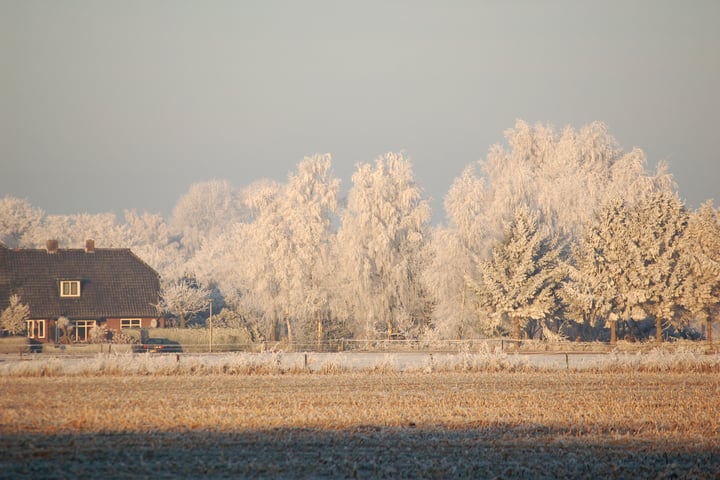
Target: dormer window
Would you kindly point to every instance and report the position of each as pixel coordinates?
(70, 288)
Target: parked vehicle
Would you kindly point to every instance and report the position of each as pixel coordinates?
(159, 345)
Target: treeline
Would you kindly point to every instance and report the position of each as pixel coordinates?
(554, 234)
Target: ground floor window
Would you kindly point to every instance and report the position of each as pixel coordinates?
(36, 328)
(130, 323)
(83, 329)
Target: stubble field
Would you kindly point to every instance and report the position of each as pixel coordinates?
(554, 424)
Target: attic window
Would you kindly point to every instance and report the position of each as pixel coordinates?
(70, 288)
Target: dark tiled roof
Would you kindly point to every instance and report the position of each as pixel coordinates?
(114, 283)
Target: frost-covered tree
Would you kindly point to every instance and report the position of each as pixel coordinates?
(203, 212)
(17, 219)
(184, 298)
(251, 283)
(701, 253)
(519, 282)
(310, 203)
(382, 236)
(597, 285)
(289, 243)
(581, 292)
(235, 266)
(13, 318)
(453, 314)
(455, 250)
(221, 262)
(660, 221)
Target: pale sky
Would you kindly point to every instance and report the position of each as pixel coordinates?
(114, 105)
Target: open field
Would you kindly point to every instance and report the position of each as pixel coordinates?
(524, 424)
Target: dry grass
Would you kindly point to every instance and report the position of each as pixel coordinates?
(269, 363)
(507, 424)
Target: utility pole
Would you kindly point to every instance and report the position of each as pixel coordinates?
(211, 339)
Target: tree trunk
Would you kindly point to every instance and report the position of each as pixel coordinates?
(288, 324)
(389, 330)
(273, 329)
(613, 333)
(658, 330)
(182, 319)
(516, 329)
(462, 312)
(290, 332)
(708, 330)
(319, 332)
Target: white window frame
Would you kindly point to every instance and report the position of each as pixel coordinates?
(130, 323)
(38, 326)
(86, 326)
(73, 288)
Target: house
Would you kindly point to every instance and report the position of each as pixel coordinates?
(89, 287)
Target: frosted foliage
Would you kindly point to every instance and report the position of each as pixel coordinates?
(455, 251)
(71, 231)
(260, 195)
(149, 238)
(382, 239)
(464, 206)
(565, 176)
(629, 264)
(204, 211)
(184, 298)
(661, 221)
(17, 219)
(454, 315)
(597, 285)
(237, 262)
(301, 229)
(701, 252)
(167, 259)
(213, 263)
(12, 319)
(275, 267)
(519, 282)
(145, 229)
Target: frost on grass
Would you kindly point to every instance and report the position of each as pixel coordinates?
(275, 363)
(658, 360)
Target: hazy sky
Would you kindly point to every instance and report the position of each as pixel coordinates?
(108, 105)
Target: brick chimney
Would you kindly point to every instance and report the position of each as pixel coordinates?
(52, 246)
(89, 245)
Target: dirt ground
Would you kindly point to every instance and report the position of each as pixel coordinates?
(440, 425)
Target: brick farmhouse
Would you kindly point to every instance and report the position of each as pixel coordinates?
(84, 287)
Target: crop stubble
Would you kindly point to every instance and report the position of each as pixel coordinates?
(507, 424)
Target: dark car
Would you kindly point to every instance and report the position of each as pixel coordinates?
(159, 345)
